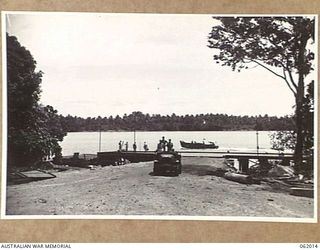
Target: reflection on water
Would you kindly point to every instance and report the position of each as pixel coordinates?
(88, 142)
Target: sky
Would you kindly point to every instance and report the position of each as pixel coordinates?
(112, 64)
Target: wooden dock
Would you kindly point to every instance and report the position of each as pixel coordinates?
(116, 157)
(120, 157)
(263, 159)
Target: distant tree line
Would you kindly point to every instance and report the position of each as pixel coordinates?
(201, 122)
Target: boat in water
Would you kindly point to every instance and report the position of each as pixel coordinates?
(198, 145)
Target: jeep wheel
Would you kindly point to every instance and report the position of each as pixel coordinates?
(156, 171)
(175, 173)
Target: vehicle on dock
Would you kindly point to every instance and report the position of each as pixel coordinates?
(198, 145)
(167, 163)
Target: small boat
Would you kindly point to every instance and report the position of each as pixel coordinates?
(198, 145)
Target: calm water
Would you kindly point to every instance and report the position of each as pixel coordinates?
(88, 142)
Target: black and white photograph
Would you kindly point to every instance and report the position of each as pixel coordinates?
(159, 116)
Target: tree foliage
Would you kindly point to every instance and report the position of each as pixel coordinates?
(266, 41)
(279, 45)
(282, 140)
(34, 130)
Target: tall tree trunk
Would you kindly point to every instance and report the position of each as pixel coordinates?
(298, 153)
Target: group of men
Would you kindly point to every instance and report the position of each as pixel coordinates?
(165, 145)
(125, 146)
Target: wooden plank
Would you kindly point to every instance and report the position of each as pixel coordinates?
(305, 192)
(241, 178)
(248, 156)
(37, 174)
(232, 153)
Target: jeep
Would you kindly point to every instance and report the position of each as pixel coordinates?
(167, 163)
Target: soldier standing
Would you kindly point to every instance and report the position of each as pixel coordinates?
(145, 146)
(164, 143)
(159, 147)
(170, 145)
(120, 145)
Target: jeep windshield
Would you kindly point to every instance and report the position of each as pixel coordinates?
(166, 155)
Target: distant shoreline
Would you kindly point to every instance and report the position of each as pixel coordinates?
(209, 122)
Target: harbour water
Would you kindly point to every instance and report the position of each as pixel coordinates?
(88, 142)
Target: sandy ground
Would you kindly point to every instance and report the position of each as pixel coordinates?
(132, 190)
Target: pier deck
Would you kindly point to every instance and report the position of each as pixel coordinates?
(113, 157)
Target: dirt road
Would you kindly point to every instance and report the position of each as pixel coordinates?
(132, 190)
